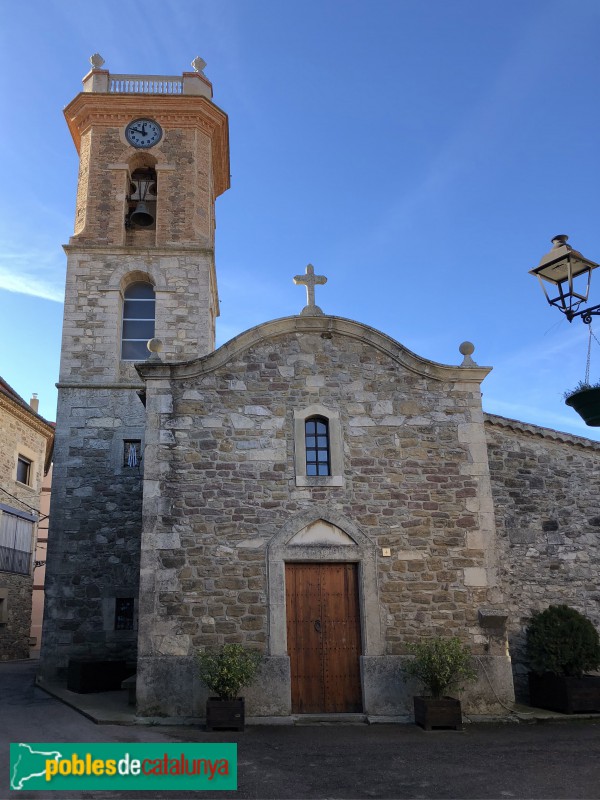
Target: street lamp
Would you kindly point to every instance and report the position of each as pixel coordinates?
(568, 273)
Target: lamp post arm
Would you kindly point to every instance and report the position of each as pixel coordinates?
(586, 314)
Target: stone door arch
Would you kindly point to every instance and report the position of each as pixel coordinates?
(322, 535)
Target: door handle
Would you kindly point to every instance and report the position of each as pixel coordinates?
(318, 625)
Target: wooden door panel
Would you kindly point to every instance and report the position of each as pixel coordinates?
(304, 640)
(341, 639)
(323, 625)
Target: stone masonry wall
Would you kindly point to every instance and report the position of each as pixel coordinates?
(93, 547)
(20, 434)
(91, 341)
(546, 489)
(185, 192)
(220, 484)
(14, 634)
(17, 433)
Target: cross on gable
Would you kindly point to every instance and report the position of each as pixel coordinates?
(310, 280)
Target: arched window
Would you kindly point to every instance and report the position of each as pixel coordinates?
(318, 448)
(318, 461)
(138, 321)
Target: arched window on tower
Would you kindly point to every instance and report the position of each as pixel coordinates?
(138, 321)
(318, 460)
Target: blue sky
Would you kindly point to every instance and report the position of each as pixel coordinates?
(420, 154)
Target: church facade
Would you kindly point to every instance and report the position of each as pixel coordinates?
(312, 488)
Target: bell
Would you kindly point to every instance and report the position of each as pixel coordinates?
(141, 216)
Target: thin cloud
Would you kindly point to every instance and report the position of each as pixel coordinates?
(19, 281)
(531, 415)
(476, 133)
(562, 342)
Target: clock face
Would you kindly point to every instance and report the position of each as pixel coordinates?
(143, 133)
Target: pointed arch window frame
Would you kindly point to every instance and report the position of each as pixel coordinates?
(332, 417)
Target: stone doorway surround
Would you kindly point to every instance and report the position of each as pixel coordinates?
(319, 534)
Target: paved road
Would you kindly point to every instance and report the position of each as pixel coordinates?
(553, 760)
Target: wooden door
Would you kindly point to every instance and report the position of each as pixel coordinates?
(323, 634)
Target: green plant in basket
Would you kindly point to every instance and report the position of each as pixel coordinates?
(582, 386)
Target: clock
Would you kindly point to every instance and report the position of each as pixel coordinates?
(143, 133)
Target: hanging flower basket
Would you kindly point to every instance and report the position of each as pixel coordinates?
(586, 402)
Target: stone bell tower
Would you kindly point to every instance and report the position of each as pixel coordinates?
(154, 156)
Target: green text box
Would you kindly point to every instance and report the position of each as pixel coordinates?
(102, 766)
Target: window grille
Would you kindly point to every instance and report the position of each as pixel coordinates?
(124, 613)
(318, 460)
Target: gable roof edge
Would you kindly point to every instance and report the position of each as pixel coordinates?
(323, 325)
(494, 420)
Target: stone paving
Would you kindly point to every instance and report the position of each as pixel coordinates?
(558, 759)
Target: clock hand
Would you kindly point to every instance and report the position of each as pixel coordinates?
(137, 130)
(144, 129)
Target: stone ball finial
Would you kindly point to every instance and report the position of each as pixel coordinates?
(198, 64)
(96, 61)
(155, 346)
(467, 349)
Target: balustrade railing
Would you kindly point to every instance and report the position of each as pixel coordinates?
(145, 84)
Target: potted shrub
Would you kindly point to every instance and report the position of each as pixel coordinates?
(226, 671)
(440, 664)
(562, 645)
(585, 399)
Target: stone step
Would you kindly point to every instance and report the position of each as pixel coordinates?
(329, 719)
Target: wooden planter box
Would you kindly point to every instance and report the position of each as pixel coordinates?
(443, 712)
(564, 694)
(225, 714)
